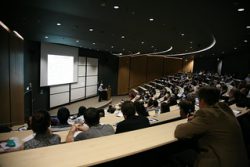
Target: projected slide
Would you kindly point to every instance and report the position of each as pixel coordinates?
(58, 64)
(60, 69)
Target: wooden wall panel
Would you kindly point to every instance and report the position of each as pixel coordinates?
(16, 80)
(123, 75)
(4, 79)
(172, 66)
(188, 65)
(138, 71)
(141, 69)
(155, 67)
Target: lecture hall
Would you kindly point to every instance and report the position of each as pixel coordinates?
(124, 83)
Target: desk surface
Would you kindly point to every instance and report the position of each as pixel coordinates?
(94, 151)
(97, 150)
(242, 110)
(112, 120)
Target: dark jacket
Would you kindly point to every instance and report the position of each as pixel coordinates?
(132, 123)
(219, 136)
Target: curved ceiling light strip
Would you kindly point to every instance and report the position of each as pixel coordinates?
(117, 54)
(194, 52)
(161, 52)
(120, 54)
(147, 54)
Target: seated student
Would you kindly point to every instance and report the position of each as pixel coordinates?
(80, 115)
(140, 109)
(81, 111)
(131, 121)
(154, 106)
(186, 108)
(101, 112)
(165, 107)
(63, 116)
(172, 100)
(217, 132)
(111, 109)
(92, 130)
(40, 125)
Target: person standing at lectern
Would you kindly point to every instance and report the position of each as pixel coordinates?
(100, 92)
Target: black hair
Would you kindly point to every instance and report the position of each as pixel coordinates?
(81, 111)
(111, 109)
(63, 115)
(172, 100)
(101, 112)
(210, 95)
(92, 116)
(186, 106)
(165, 107)
(140, 109)
(155, 103)
(150, 102)
(40, 121)
(128, 109)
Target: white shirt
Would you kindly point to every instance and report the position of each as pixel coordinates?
(100, 88)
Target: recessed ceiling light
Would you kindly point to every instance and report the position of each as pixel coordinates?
(103, 4)
(93, 43)
(116, 7)
(245, 41)
(77, 41)
(151, 19)
(218, 59)
(142, 42)
(241, 9)
(112, 46)
(123, 37)
(91, 29)
(191, 42)
(182, 34)
(152, 46)
(4, 26)
(247, 27)
(46, 37)
(58, 24)
(235, 48)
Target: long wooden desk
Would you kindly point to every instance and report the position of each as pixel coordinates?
(93, 151)
(97, 150)
(111, 119)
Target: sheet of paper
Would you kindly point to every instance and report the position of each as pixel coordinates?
(236, 112)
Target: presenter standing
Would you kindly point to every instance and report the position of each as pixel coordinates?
(100, 92)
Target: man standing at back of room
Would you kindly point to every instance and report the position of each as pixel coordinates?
(217, 131)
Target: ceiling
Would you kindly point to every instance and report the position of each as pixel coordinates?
(180, 27)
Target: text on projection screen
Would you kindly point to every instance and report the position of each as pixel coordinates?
(60, 69)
